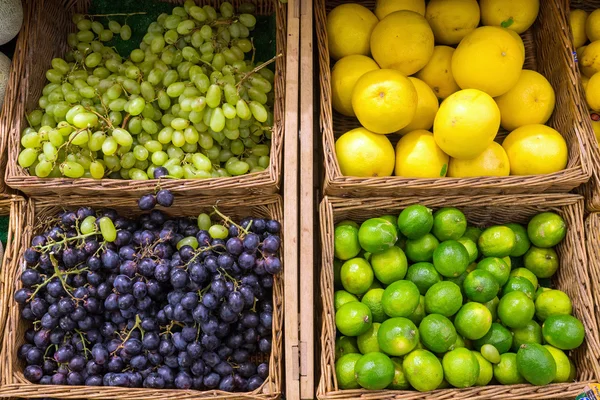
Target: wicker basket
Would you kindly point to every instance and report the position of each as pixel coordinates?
(548, 50)
(591, 190)
(573, 278)
(44, 36)
(14, 384)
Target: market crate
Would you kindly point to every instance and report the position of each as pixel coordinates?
(548, 50)
(590, 190)
(46, 26)
(14, 384)
(574, 277)
(592, 241)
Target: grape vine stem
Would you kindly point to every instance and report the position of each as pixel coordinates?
(118, 14)
(255, 70)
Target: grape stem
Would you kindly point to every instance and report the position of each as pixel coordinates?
(229, 221)
(125, 121)
(60, 275)
(117, 14)
(255, 70)
(138, 325)
(65, 240)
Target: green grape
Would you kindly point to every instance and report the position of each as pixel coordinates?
(88, 225)
(54, 76)
(165, 135)
(191, 135)
(218, 61)
(217, 231)
(171, 36)
(136, 106)
(237, 147)
(137, 174)
(231, 94)
(217, 120)
(72, 169)
(252, 161)
(183, 69)
(229, 111)
(107, 229)
(106, 35)
(264, 161)
(226, 9)
(85, 36)
(233, 123)
(175, 171)
(84, 160)
(85, 120)
(79, 138)
(96, 140)
(123, 174)
(140, 153)
(188, 241)
(149, 126)
(32, 140)
(131, 86)
(259, 112)
(27, 157)
(186, 27)
(189, 148)
(248, 20)
(159, 158)
(164, 101)
(198, 14)
(128, 160)
(143, 164)
(35, 117)
(230, 56)
(180, 124)
(267, 74)
(213, 96)
(205, 140)
(87, 92)
(153, 146)
(84, 25)
(231, 134)
(125, 32)
(202, 82)
(257, 96)
(180, 11)
(97, 170)
(238, 168)
(201, 162)
(213, 153)
(115, 105)
(260, 150)
(112, 162)
(243, 110)
(245, 45)
(234, 30)
(260, 83)
(157, 44)
(114, 26)
(178, 139)
(60, 65)
(137, 56)
(109, 146)
(155, 76)
(175, 89)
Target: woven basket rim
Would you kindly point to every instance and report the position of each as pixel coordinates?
(574, 258)
(13, 383)
(18, 90)
(577, 173)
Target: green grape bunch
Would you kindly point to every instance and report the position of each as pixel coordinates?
(189, 102)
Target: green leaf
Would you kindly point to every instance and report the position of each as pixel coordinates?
(444, 170)
(507, 23)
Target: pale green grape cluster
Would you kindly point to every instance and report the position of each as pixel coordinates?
(187, 100)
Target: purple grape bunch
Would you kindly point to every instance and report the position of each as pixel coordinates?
(154, 302)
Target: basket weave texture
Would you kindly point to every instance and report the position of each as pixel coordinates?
(44, 36)
(548, 50)
(573, 277)
(14, 384)
(591, 190)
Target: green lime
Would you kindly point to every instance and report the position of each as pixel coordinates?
(400, 299)
(417, 316)
(546, 229)
(415, 221)
(344, 371)
(563, 331)
(471, 247)
(536, 364)
(341, 297)
(423, 370)
(424, 275)
(506, 371)
(473, 321)
(437, 333)
(450, 259)
(573, 373)
(449, 223)
(530, 333)
(397, 336)
(377, 234)
(373, 300)
(461, 368)
(473, 233)
(393, 219)
(390, 265)
(492, 305)
(400, 382)
(486, 372)
(552, 302)
(497, 267)
(518, 284)
(345, 241)
(345, 345)
(525, 273)
(515, 309)
(374, 371)
(347, 222)
(497, 241)
(443, 298)
(367, 342)
(460, 342)
(563, 366)
(539, 291)
(522, 240)
(356, 275)
(337, 268)
(353, 319)
(508, 261)
(421, 249)
(490, 353)
(542, 262)
(366, 255)
(481, 286)
(498, 336)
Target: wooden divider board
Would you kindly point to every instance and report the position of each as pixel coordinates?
(308, 230)
(290, 205)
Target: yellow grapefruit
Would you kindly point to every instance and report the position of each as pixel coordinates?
(518, 38)
(384, 100)
(438, 72)
(403, 41)
(589, 62)
(592, 92)
(530, 101)
(492, 162)
(452, 20)
(349, 28)
(577, 19)
(517, 15)
(584, 81)
(427, 107)
(466, 123)
(418, 156)
(488, 59)
(385, 7)
(344, 75)
(535, 150)
(364, 154)
(592, 26)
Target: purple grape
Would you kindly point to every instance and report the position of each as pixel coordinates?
(165, 198)
(147, 202)
(33, 373)
(159, 172)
